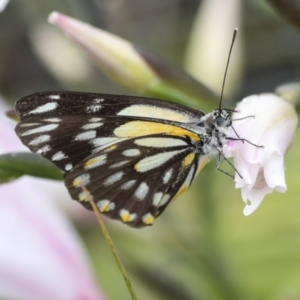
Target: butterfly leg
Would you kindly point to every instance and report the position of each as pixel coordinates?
(244, 140)
(220, 157)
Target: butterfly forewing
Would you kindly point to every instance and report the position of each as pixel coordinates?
(133, 154)
(55, 104)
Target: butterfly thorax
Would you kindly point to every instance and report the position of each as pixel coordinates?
(213, 128)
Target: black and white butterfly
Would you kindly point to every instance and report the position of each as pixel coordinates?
(134, 155)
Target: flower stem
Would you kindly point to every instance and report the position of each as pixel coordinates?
(110, 243)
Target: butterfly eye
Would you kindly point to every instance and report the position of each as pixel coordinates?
(220, 121)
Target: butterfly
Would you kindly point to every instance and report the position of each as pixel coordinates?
(134, 155)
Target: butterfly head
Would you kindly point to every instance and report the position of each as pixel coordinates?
(222, 118)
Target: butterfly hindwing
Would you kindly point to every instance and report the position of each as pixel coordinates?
(134, 183)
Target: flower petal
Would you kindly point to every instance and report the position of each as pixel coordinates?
(274, 173)
(115, 56)
(253, 198)
(40, 255)
(263, 120)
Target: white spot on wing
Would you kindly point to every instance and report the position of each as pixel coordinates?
(131, 152)
(81, 180)
(103, 141)
(164, 200)
(119, 164)
(83, 196)
(54, 97)
(127, 185)
(154, 161)
(40, 139)
(93, 108)
(113, 178)
(167, 176)
(92, 126)
(160, 142)
(142, 191)
(98, 100)
(40, 129)
(59, 156)
(95, 119)
(156, 198)
(105, 205)
(85, 136)
(95, 162)
(44, 108)
(68, 167)
(151, 111)
(44, 149)
(148, 219)
(52, 120)
(29, 124)
(126, 216)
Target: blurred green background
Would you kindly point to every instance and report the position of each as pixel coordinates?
(202, 247)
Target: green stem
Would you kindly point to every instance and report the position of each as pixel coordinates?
(111, 245)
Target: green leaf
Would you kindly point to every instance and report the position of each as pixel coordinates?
(14, 165)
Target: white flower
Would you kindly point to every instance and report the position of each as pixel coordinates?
(273, 127)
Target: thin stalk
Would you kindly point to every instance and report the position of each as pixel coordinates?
(110, 243)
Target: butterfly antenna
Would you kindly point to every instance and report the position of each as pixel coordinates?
(232, 43)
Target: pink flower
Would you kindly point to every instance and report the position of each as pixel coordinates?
(116, 57)
(41, 256)
(273, 127)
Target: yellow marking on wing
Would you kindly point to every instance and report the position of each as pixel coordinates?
(202, 163)
(113, 147)
(148, 219)
(182, 190)
(90, 162)
(105, 205)
(77, 182)
(126, 216)
(188, 159)
(142, 128)
(93, 161)
(83, 196)
(81, 180)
